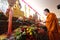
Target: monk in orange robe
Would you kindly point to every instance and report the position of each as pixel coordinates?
(52, 25)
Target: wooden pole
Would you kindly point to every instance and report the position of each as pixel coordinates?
(11, 4)
(10, 22)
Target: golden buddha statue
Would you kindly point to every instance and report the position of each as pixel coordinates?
(17, 11)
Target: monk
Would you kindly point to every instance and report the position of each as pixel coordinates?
(52, 25)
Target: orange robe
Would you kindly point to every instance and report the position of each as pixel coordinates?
(52, 26)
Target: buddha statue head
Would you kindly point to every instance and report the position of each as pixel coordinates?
(11, 2)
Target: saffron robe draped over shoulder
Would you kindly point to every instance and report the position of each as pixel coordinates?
(52, 26)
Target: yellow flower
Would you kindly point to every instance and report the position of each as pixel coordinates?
(30, 30)
(27, 29)
(30, 33)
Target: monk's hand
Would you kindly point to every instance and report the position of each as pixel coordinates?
(43, 21)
